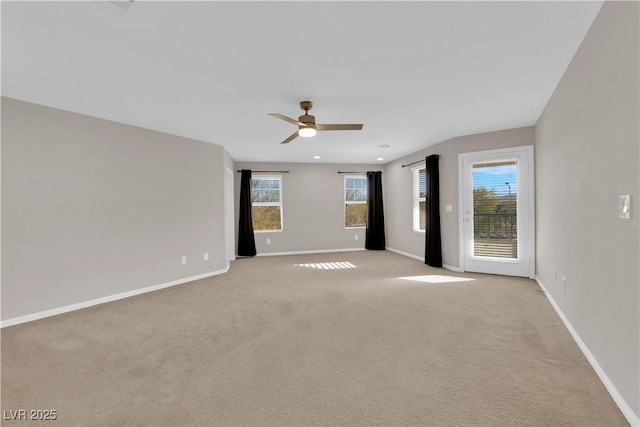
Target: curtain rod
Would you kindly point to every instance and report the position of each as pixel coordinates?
(358, 172)
(266, 171)
(417, 161)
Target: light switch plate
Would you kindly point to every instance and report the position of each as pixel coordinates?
(448, 208)
(624, 206)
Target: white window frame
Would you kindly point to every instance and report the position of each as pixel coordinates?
(416, 196)
(344, 198)
(279, 179)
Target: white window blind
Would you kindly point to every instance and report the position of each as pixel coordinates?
(495, 199)
(419, 198)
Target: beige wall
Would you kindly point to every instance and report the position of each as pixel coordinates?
(587, 155)
(313, 215)
(399, 181)
(93, 208)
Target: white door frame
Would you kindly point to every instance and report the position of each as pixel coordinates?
(230, 233)
(528, 150)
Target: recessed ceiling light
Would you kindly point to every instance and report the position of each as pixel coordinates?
(316, 157)
(380, 158)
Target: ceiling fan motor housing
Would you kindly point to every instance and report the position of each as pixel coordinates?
(308, 120)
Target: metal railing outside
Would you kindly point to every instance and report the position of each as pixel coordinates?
(495, 235)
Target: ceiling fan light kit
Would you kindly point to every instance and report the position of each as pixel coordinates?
(309, 122)
(307, 132)
(307, 126)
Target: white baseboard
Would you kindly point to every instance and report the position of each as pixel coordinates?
(452, 268)
(407, 254)
(445, 266)
(319, 251)
(626, 410)
(109, 298)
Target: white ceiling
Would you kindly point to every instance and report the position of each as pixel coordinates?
(415, 73)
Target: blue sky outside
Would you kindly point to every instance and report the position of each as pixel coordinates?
(495, 177)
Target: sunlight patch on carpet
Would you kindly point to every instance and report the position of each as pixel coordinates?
(338, 265)
(434, 278)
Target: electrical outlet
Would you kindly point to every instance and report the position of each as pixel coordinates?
(206, 256)
(268, 241)
(184, 260)
(356, 237)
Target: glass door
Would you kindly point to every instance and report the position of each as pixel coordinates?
(497, 211)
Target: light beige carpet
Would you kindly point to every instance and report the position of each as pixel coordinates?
(275, 343)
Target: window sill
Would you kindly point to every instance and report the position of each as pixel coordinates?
(356, 228)
(419, 231)
(268, 231)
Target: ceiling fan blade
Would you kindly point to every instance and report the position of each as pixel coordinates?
(287, 119)
(291, 138)
(339, 127)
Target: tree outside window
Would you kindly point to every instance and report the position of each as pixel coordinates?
(266, 203)
(355, 201)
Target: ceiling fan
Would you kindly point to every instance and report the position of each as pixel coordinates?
(307, 123)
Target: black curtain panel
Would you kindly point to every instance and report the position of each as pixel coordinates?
(433, 250)
(246, 239)
(375, 213)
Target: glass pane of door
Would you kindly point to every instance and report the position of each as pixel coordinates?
(495, 209)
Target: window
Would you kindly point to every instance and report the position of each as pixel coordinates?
(495, 211)
(419, 198)
(355, 201)
(266, 203)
